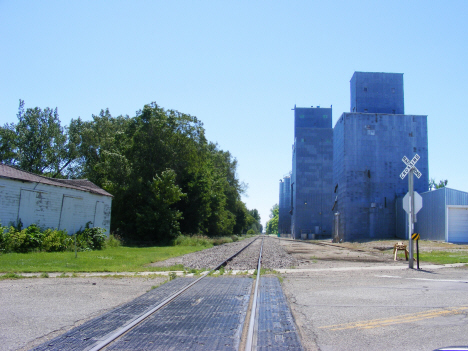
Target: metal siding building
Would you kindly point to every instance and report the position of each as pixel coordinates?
(284, 220)
(368, 148)
(312, 177)
(377, 92)
(444, 216)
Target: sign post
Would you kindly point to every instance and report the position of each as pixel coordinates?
(411, 169)
(415, 236)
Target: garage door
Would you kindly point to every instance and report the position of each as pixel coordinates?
(71, 216)
(458, 224)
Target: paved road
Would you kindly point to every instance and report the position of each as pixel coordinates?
(381, 309)
(342, 300)
(35, 310)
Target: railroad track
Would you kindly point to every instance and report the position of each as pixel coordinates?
(208, 313)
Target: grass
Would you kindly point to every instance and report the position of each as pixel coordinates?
(437, 252)
(11, 276)
(112, 259)
(443, 257)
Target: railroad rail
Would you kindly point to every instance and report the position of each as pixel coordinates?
(144, 316)
(250, 336)
(206, 313)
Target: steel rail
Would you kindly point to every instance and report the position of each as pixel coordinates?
(253, 313)
(321, 244)
(142, 317)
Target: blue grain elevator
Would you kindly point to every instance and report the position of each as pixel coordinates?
(369, 144)
(312, 173)
(284, 217)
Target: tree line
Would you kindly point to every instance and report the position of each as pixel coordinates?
(165, 176)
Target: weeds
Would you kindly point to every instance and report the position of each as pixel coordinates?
(204, 241)
(194, 240)
(113, 240)
(33, 238)
(11, 276)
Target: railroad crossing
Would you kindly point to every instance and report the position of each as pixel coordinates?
(410, 204)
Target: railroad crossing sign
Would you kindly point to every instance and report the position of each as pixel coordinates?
(412, 202)
(417, 202)
(410, 165)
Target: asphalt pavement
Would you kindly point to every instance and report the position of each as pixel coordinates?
(380, 309)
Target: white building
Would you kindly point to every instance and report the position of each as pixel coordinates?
(52, 203)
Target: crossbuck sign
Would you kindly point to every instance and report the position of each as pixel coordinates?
(410, 165)
(409, 204)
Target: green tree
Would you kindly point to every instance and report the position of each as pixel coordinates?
(122, 154)
(38, 143)
(158, 219)
(433, 185)
(272, 224)
(8, 147)
(165, 176)
(254, 221)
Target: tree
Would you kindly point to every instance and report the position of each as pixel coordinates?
(158, 219)
(433, 185)
(253, 221)
(272, 224)
(38, 143)
(166, 178)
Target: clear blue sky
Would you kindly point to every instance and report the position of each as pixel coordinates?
(240, 66)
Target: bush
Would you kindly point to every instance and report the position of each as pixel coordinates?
(113, 241)
(194, 240)
(16, 239)
(56, 240)
(91, 238)
(222, 240)
(4, 239)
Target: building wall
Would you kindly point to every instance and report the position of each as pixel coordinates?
(432, 218)
(284, 220)
(373, 92)
(312, 172)
(51, 206)
(401, 221)
(367, 162)
(280, 207)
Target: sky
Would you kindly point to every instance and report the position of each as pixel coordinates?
(240, 67)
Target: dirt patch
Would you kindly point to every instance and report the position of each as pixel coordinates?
(317, 254)
(321, 254)
(424, 245)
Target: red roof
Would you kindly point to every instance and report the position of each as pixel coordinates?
(77, 184)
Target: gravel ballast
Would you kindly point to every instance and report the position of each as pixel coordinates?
(274, 256)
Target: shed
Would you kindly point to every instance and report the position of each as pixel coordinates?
(52, 203)
(444, 216)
